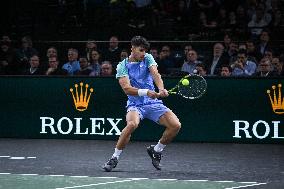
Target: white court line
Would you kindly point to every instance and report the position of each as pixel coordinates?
(197, 180)
(17, 158)
(246, 186)
(5, 173)
(4, 156)
(31, 157)
(79, 176)
(29, 174)
(56, 175)
(165, 179)
(226, 181)
(97, 184)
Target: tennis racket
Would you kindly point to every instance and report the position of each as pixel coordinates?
(190, 87)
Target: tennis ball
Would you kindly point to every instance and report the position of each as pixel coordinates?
(185, 82)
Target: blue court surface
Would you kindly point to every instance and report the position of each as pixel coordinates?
(64, 164)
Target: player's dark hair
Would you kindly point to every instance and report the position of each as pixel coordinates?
(139, 41)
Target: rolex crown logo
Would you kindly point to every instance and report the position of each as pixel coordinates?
(81, 98)
(277, 102)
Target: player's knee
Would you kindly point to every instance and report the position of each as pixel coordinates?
(132, 125)
(176, 126)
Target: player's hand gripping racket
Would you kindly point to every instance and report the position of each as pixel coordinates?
(190, 87)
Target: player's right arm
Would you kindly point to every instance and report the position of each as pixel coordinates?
(133, 91)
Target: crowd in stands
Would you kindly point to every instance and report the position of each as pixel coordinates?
(225, 58)
(245, 37)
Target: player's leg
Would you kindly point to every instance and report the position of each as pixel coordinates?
(172, 124)
(133, 120)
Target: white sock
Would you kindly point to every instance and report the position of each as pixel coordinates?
(159, 147)
(116, 153)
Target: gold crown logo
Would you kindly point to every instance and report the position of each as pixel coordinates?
(81, 100)
(277, 102)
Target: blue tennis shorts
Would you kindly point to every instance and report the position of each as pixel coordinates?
(151, 111)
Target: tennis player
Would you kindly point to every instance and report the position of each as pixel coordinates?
(137, 75)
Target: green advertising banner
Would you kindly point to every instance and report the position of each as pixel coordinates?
(233, 110)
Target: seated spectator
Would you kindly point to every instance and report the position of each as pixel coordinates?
(154, 52)
(34, 68)
(95, 63)
(265, 69)
(216, 60)
(86, 69)
(226, 71)
(106, 69)
(201, 69)
(123, 54)
(242, 66)
(165, 62)
(112, 53)
(277, 66)
(90, 46)
(23, 55)
(73, 65)
(190, 65)
(7, 56)
(53, 68)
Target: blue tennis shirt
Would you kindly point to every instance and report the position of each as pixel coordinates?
(140, 77)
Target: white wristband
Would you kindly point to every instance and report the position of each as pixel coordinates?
(143, 92)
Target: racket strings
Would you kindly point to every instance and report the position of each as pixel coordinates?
(196, 88)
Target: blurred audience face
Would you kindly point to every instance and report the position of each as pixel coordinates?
(250, 47)
(225, 72)
(51, 52)
(242, 58)
(113, 42)
(95, 56)
(166, 50)
(264, 37)
(53, 62)
(218, 49)
(264, 65)
(227, 39)
(83, 62)
(201, 70)
(191, 56)
(277, 65)
(154, 53)
(72, 55)
(34, 61)
(106, 69)
(187, 48)
(269, 55)
(91, 45)
(123, 55)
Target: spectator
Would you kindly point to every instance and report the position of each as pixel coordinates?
(90, 46)
(277, 66)
(226, 71)
(257, 23)
(165, 62)
(23, 55)
(243, 67)
(112, 54)
(34, 66)
(123, 54)
(85, 68)
(201, 69)
(264, 42)
(7, 56)
(252, 53)
(265, 69)
(95, 63)
(53, 68)
(218, 58)
(106, 69)
(190, 65)
(73, 65)
(154, 52)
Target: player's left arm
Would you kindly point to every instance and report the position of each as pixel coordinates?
(158, 81)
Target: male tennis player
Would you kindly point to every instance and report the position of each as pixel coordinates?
(136, 76)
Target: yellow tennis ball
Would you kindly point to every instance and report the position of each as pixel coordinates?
(185, 82)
